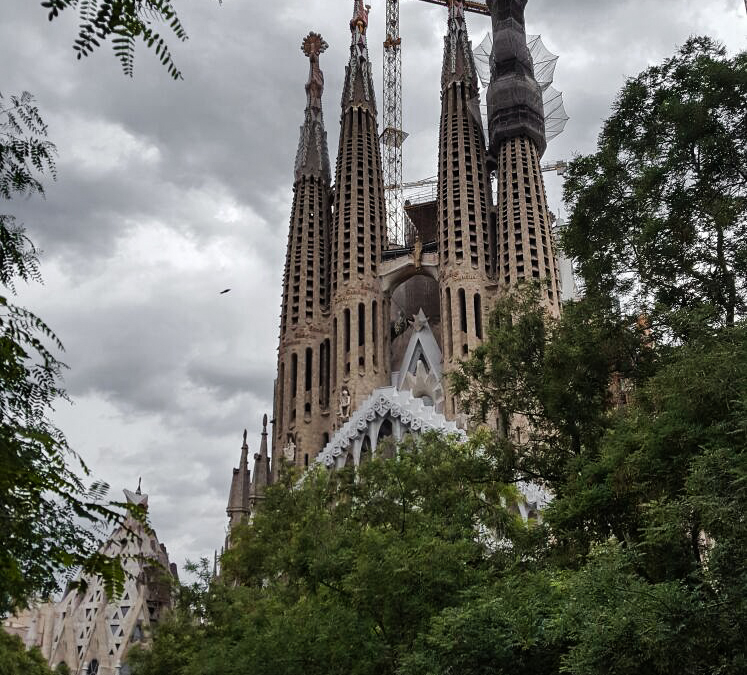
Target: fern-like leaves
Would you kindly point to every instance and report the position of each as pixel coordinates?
(123, 22)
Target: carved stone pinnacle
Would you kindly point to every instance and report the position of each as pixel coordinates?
(314, 45)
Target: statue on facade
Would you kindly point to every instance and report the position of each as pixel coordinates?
(289, 451)
(344, 410)
(418, 251)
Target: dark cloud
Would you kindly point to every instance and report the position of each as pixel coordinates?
(170, 192)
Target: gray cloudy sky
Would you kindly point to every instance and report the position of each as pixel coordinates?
(170, 192)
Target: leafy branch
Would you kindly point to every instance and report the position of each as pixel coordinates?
(123, 22)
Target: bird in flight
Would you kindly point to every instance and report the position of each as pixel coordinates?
(224, 292)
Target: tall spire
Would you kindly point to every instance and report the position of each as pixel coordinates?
(238, 498)
(312, 158)
(459, 64)
(302, 387)
(359, 232)
(261, 467)
(514, 98)
(359, 89)
(465, 239)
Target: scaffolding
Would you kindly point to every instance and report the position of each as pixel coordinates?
(393, 137)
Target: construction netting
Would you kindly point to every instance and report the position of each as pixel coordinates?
(544, 62)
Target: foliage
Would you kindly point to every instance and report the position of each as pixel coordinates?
(124, 22)
(25, 151)
(549, 379)
(51, 522)
(339, 572)
(15, 660)
(659, 212)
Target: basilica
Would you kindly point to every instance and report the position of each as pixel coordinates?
(371, 328)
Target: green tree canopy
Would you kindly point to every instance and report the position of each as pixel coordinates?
(15, 660)
(659, 212)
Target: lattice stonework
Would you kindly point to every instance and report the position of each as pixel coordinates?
(525, 243)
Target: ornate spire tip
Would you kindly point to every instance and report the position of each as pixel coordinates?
(313, 45)
(359, 21)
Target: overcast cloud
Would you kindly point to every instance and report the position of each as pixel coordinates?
(171, 192)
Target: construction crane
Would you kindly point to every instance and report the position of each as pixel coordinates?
(393, 136)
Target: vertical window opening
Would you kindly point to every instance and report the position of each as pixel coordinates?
(462, 310)
(294, 375)
(449, 324)
(478, 316)
(309, 358)
(375, 331)
(281, 396)
(334, 352)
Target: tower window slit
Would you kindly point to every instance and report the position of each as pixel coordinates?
(308, 369)
(375, 331)
(462, 310)
(346, 330)
(449, 324)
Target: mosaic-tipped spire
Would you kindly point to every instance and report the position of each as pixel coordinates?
(515, 106)
(459, 64)
(359, 89)
(312, 158)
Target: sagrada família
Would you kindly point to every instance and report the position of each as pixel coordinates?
(370, 328)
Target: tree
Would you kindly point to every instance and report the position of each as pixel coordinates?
(339, 573)
(549, 380)
(15, 660)
(51, 522)
(123, 22)
(659, 212)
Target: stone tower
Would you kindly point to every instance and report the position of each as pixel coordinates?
(525, 248)
(302, 394)
(359, 313)
(465, 240)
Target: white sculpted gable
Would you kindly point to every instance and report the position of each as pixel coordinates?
(387, 410)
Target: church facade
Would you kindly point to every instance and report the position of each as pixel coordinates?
(370, 329)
